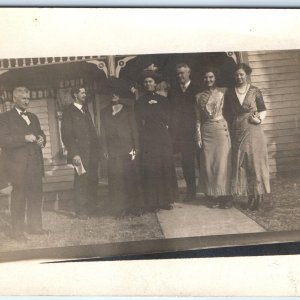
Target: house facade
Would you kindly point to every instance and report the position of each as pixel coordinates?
(276, 73)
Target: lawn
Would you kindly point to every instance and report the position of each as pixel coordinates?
(280, 210)
(68, 231)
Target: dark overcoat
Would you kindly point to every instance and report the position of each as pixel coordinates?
(79, 136)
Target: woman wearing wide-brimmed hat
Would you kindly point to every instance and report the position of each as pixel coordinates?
(120, 143)
(157, 166)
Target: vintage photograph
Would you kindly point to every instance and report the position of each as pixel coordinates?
(117, 148)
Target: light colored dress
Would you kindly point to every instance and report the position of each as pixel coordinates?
(215, 157)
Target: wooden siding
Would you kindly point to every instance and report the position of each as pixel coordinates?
(57, 177)
(277, 74)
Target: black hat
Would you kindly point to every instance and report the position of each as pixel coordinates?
(150, 71)
(120, 87)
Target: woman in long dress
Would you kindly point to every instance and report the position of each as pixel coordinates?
(250, 176)
(158, 174)
(213, 138)
(120, 143)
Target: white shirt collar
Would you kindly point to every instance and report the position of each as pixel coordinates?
(19, 110)
(25, 117)
(79, 106)
(186, 85)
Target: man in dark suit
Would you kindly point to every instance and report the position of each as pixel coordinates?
(183, 125)
(21, 140)
(80, 138)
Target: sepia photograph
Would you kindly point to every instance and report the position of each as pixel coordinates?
(148, 147)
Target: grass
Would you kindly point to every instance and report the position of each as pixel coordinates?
(280, 210)
(68, 231)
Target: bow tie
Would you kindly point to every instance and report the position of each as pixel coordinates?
(24, 113)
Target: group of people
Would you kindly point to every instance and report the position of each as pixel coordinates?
(234, 157)
(217, 129)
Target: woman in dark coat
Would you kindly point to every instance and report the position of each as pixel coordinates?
(250, 169)
(158, 174)
(120, 142)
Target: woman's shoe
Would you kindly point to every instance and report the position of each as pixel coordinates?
(212, 202)
(254, 202)
(258, 200)
(166, 207)
(251, 202)
(226, 203)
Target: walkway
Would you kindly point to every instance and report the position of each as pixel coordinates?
(187, 220)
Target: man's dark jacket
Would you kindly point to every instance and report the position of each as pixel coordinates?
(16, 152)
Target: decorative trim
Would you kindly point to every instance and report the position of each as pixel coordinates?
(17, 63)
(122, 64)
(3, 71)
(234, 55)
(101, 65)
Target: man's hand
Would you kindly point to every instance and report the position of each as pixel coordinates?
(76, 160)
(40, 141)
(106, 155)
(30, 138)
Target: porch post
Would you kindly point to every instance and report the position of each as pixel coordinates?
(111, 61)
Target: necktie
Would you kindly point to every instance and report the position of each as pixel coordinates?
(183, 88)
(84, 110)
(24, 113)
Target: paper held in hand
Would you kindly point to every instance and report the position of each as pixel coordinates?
(133, 154)
(80, 170)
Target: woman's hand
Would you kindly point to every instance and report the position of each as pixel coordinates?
(199, 143)
(198, 135)
(115, 99)
(76, 160)
(255, 118)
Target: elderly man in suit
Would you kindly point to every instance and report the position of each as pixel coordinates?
(80, 138)
(21, 140)
(183, 125)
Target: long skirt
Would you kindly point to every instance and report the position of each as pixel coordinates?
(215, 159)
(159, 179)
(123, 184)
(250, 159)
